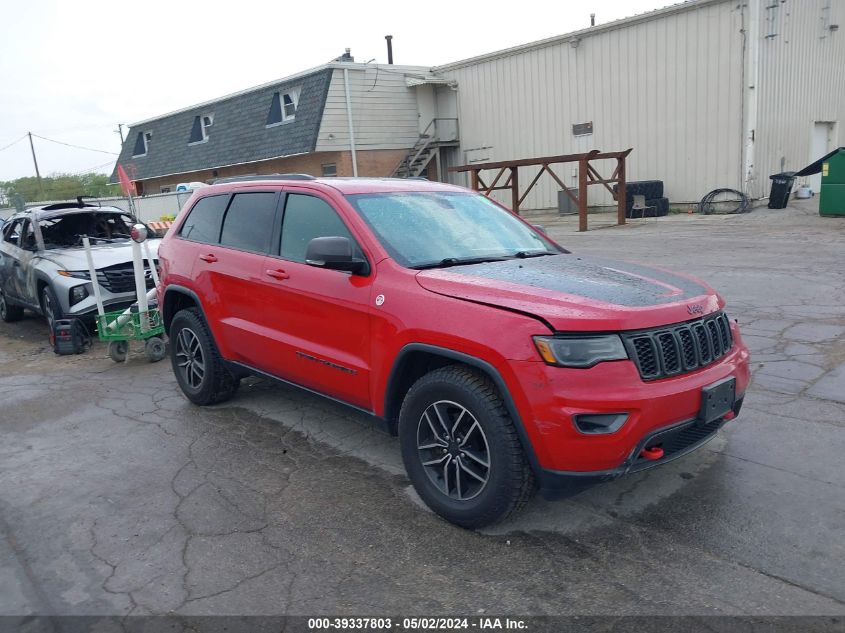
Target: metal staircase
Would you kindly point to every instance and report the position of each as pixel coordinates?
(425, 149)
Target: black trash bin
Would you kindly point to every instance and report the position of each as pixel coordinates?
(781, 188)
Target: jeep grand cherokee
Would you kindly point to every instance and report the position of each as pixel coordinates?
(502, 361)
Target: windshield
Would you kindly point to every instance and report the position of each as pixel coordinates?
(447, 228)
(67, 230)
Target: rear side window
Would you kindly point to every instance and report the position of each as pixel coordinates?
(249, 222)
(307, 217)
(203, 223)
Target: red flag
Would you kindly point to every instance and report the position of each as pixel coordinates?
(126, 185)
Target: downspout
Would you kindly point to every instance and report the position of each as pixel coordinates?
(750, 90)
(349, 122)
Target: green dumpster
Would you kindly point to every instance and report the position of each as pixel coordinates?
(832, 194)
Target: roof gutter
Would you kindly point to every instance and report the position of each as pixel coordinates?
(566, 37)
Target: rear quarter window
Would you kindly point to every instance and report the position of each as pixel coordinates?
(205, 219)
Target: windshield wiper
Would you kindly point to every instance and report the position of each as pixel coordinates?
(455, 261)
(526, 254)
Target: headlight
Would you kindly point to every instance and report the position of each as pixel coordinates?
(77, 294)
(76, 274)
(580, 351)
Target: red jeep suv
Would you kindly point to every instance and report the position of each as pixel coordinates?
(503, 362)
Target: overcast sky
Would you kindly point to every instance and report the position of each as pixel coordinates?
(71, 70)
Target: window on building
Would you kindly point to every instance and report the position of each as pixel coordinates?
(199, 130)
(307, 217)
(283, 106)
(142, 143)
(248, 224)
(330, 169)
(204, 220)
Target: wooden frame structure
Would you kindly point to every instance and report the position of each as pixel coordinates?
(587, 175)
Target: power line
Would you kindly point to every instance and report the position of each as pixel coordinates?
(90, 170)
(13, 143)
(90, 149)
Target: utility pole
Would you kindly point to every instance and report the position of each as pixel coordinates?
(119, 130)
(35, 162)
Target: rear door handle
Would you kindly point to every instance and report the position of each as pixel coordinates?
(277, 274)
(210, 258)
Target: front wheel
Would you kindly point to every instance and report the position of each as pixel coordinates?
(461, 449)
(199, 369)
(50, 307)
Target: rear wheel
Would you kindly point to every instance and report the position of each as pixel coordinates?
(461, 449)
(8, 312)
(199, 369)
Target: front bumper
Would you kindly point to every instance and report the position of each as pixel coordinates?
(551, 397)
(676, 441)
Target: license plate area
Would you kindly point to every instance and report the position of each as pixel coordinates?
(717, 400)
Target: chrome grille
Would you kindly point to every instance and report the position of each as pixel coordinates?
(681, 348)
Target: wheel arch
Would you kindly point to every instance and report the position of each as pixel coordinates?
(178, 298)
(415, 360)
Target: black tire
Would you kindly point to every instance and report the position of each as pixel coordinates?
(509, 480)
(119, 351)
(50, 306)
(155, 349)
(199, 369)
(8, 312)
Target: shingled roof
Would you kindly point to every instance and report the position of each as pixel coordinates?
(239, 133)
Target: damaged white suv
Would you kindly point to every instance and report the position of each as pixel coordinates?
(43, 265)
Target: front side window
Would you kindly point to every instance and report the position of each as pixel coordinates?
(248, 224)
(204, 220)
(307, 217)
(431, 228)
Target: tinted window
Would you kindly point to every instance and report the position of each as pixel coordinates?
(307, 217)
(203, 223)
(249, 222)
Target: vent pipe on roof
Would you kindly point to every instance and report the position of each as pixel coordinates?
(389, 39)
(592, 19)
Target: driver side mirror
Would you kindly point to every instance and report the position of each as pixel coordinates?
(334, 253)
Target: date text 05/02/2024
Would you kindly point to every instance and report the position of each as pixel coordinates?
(417, 624)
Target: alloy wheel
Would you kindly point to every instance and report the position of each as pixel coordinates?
(453, 450)
(189, 358)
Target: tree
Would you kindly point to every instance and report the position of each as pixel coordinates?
(60, 187)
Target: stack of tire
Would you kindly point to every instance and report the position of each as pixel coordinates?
(653, 192)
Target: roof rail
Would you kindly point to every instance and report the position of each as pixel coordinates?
(218, 181)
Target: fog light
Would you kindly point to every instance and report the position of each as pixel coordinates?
(599, 423)
(77, 294)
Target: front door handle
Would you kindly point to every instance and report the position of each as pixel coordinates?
(277, 274)
(210, 258)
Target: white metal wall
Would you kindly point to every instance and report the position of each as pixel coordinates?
(668, 86)
(384, 109)
(802, 80)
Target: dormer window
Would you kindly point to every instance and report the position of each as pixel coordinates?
(141, 144)
(199, 130)
(283, 107)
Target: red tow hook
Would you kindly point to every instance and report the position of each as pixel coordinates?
(654, 453)
(730, 415)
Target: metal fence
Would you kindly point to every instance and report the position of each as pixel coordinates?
(149, 208)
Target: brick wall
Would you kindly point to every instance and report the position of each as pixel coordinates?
(379, 163)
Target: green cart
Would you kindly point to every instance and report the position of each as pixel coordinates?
(119, 328)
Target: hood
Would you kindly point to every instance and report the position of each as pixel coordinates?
(104, 255)
(573, 293)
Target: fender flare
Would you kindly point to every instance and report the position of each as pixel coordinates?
(485, 367)
(166, 317)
